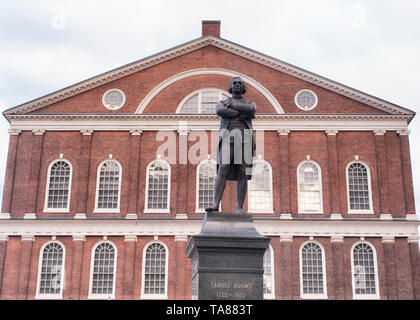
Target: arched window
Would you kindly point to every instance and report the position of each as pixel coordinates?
(158, 177)
(108, 187)
(309, 187)
(103, 269)
(312, 265)
(202, 101)
(57, 197)
(359, 193)
(260, 190)
(206, 176)
(51, 272)
(155, 271)
(268, 277)
(364, 271)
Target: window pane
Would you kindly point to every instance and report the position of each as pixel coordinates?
(109, 180)
(155, 269)
(158, 186)
(259, 187)
(51, 269)
(103, 269)
(358, 187)
(309, 188)
(59, 185)
(268, 276)
(364, 271)
(206, 178)
(312, 270)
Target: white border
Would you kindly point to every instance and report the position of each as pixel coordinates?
(114, 280)
(58, 210)
(38, 283)
(199, 91)
(349, 211)
(316, 100)
(106, 92)
(321, 211)
(270, 210)
(324, 273)
(146, 193)
(375, 265)
(215, 71)
(107, 210)
(155, 296)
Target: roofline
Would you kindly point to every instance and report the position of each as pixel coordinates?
(193, 45)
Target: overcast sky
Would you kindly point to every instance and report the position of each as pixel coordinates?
(372, 46)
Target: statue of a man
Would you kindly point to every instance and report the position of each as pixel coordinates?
(236, 144)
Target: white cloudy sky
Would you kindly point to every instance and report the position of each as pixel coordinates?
(372, 46)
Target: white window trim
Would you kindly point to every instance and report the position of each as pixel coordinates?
(98, 170)
(316, 100)
(38, 284)
(146, 202)
(106, 92)
(350, 211)
(321, 200)
(155, 296)
(92, 259)
(272, 294)
(47, 189)
(269, 210)
(199, 91)
(197, 183)
(375, 265)
(324, 273)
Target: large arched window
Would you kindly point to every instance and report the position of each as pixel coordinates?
(260, 188)
(202, 101)
(51, 271)
(103, 270)
(108, 187)
(268, 277)
(155, 271)
(359, 193)
(312, 271)
(309, 187)
(57, 198)
(206, 176)
(158, 177)
(364, 272)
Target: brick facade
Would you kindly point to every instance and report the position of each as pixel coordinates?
(369, 134)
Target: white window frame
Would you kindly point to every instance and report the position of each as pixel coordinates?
(270, 209)
(38, 284)
(272, 295)
(199, 91)
(155, 296)
(92, 260)
(47, 189)
(98, 172)
(197, 183)
(321, 209)
(110, 108)
(146, 202)
(324, 273)
(350, 211)
(375, 265)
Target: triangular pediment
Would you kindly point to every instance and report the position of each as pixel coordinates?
(196, 44)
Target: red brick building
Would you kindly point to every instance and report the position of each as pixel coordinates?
(107, 180)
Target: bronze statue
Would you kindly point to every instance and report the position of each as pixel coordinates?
(236, 144)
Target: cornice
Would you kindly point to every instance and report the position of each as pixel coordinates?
(190, 46)
(177, 227)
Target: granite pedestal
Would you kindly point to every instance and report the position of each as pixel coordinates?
(227, 258)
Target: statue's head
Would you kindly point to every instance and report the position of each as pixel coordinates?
(237, 86)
